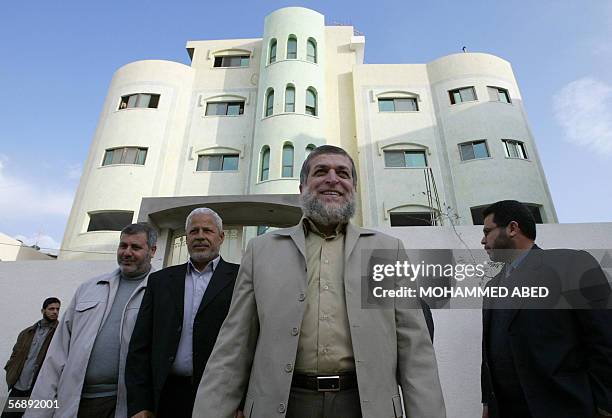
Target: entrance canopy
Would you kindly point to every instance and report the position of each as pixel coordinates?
(276, 210)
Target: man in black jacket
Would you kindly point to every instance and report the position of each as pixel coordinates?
(540, 362)
(178, 322)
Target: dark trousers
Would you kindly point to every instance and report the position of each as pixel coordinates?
(304, 403)
(97, 407)
(177, 398)
(15, 393)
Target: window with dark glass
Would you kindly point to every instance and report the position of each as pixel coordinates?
(265, 164)
(412, 219)
(109, 220)
(146, 100)
(217, 162)
(405, 159)
(125, 155)
(287, 160)
(233, 108)
(311, 51)
(292, 47)
(498, 94)
(232, 61)
(514, 149)
(309, 148)
(311, 102)
(290, 99)
(262, 229)
(272, 57)
(400, 104)
(270, 103)
(465, 94)
(474, 150)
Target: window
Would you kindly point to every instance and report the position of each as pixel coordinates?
(125, 155)
(497, 94)
(514, 149)
(290, 99)
(477, 218)
(109, 221)
(265, 164)
(311, 102)
(225, 108)
(311, 51)
(232, 61)
(465, 94)
(292, 47)
(309, 148)
(287, 160)
(270, 102)
(405, 159)
(262, 229)
(400, 104)
(272, 57)
(139, 100)
(412, 219)
(217, 162)
(474, 150)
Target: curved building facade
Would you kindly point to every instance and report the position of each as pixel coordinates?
(433, 143)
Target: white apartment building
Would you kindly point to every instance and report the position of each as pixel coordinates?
(433, 143)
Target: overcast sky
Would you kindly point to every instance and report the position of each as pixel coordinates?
(57, 60)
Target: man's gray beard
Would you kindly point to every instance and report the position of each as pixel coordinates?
(323, 214)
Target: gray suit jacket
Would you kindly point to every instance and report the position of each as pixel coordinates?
(258, 341)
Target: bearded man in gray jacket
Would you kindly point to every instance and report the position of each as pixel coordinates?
(84, 367)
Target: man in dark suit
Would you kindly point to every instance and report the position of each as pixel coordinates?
(541, 362)
(178, 322)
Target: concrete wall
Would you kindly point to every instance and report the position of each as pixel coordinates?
(24, 285)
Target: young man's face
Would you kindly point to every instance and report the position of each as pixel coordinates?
(495, 238)
(51, 312)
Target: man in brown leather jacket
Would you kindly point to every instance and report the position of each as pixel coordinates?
(29, 353)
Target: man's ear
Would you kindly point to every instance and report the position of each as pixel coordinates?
(513, 229)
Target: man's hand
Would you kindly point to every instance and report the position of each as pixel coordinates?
(144, 414)
(485, 411)
(238, 414)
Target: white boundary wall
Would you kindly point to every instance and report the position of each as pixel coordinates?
(25, 284)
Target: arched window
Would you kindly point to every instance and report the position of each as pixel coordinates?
(287, 160)
(290, 98)
(311, 50)
(272, 57)
(265, 164)
(309, 148)
(311, 102)
(292, 47)
(269, 102)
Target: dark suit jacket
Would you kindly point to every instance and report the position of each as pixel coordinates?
(158, 328)
(563, 357)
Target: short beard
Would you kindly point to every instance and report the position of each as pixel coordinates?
(204, 257)
(503, 248)
(323, 214)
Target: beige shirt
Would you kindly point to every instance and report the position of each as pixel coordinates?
(324, 346)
